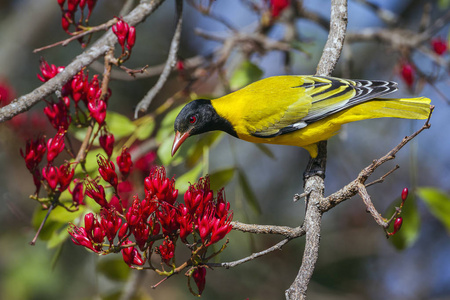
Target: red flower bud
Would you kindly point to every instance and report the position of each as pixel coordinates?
(107, 171)
(131, 39)
(131, 256)
(107, 143)
(34, 151)
(121, 29)
(124, 162)
(65, 175)
(97, 110)
(397, 225)
(277, 6)
(96, 192)
(55, 145)
(404, 195)
(77, 193)
(439, 45)
(408, 74)
(199, 276)
(50, 174)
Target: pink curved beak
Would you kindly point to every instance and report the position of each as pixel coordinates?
(179, 139)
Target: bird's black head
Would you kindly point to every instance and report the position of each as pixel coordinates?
(197, 117)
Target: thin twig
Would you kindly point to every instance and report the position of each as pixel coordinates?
(78, 35)
(143, 105)
(231, 264)
(382, 178)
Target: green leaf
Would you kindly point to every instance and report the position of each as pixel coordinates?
(220, 178)
(244, 75)
(145, 128)
(80, 132)
(119, 125)
(166, 126)
(164, 152)
(91, 160)
(184, 181)
(438, 203)
(443, 4)
(196, 151)
(114, 268)
(409, 231)
(249, 194)
(58, 237)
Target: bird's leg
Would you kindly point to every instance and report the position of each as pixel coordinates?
(316, 166)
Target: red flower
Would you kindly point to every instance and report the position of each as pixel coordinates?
(167, 217)
(205, 224)
(55, 145)
(96, 192)
(79, 86)
(184, 220)
(77, 193)
(97, 110)
(107, 171)
(439, 45)
(121, 29)
(48, 71)
(130, 255)
(50, 174)
(34, 151)
(277, 6)
(80, 237)
(131, 39)
(133, 215)
(167, 251)
(408, 74)
(199, 276)
(124, 162)
(159, 186)
(91, 4)
(221, 227)
(107, 143)
(198, 197)
(65, 175)
(110, 222)
(58, 114)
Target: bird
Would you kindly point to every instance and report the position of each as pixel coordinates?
(296, 110)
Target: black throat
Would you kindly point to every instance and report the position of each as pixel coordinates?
(216, 122)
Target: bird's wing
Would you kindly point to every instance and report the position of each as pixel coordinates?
(317, 98)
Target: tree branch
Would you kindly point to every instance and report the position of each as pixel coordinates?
(99, 48)
(314, 184)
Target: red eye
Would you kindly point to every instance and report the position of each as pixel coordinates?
(192, 119)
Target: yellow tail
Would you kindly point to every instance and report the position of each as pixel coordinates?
(405, 108)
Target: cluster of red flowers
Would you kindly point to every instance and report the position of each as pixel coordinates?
(59, 115)
(68, 13)
(134, 229)
(126, 35)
